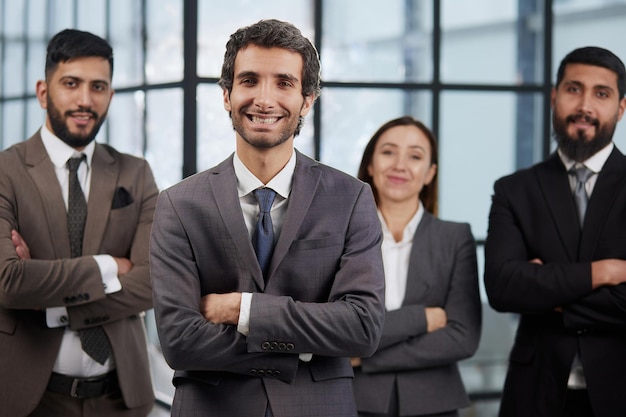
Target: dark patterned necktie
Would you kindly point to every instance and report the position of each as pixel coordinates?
(263, 237)
(93, 340)
(581, 174)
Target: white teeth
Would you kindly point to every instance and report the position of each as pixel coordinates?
(264, 121)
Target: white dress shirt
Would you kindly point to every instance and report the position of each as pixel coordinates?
(247, 182)
(594, 164)
(72, 360)
(396, 256)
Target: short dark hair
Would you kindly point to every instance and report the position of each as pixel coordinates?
(72, 43)
(429, 193)
(600, 57)
(271, 33)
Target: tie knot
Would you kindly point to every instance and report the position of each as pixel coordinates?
(74, 162)
(265, 197)
(582, 173)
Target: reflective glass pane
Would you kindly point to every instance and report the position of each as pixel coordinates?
(36, 64)
(164, 61)
(218, 20)
(125, 122)
(126, 39)
(35, 117)
(479, 140)
(91, 16)
(383, 41)
(216, 137)
(580, 23)
(164, 127)
(61, 15)
(491, 41)
(13, 18)
(13, 70)
(12, 123)
(350, 116)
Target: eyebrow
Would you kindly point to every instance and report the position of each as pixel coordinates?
(280, 76)
(396, 146)
(74, 77)
(595, 87)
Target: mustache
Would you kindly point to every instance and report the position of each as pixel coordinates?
(583, 118)
(82, 110)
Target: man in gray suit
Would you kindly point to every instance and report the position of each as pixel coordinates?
(74, 276)
(246, 338)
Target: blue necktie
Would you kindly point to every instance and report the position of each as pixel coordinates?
(582, 174)
(263, 237)
(93, 340)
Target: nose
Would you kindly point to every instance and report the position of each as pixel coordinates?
(84, 97)
(264, 96)
(399, 163)
(584, 105)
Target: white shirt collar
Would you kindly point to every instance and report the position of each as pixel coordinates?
(409, 230)
(595, 163)
(248, 182)
(59, 152)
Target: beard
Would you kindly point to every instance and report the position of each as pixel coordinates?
(578, 148)
(62, 131)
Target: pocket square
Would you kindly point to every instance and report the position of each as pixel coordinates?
(122, 198)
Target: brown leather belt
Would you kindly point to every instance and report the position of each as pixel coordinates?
(83, 387)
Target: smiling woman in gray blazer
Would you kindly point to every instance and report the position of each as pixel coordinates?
(433, 317)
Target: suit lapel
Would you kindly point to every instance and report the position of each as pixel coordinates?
(305, 182)
(610, 179)
(418, 283)
(554, 185)
(223, 185)
(104, 178)
(42, 172)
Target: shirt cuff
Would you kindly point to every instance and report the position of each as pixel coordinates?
(108, 272)
(56, 317)
(243, 326)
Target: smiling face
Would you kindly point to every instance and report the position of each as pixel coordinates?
(586, 108)
(77, 97)
(266, 100)
(401, 164)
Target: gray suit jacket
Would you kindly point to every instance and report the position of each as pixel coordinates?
(442, 273)
(120, 208)
(324, 294)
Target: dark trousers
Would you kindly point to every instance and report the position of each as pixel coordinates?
(110, 405)
(577, 404)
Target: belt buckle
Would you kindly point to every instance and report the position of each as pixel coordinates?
(74, 388)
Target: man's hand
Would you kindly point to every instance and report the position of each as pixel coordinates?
(436, 318)
(21, 248)
(608, 272)
(221, 308)
(123, 265)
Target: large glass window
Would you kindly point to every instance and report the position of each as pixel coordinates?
(477, 73)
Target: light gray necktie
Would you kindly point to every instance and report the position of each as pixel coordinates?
(581, 174)
(93, 340)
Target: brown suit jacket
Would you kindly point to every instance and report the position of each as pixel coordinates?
(120, 208)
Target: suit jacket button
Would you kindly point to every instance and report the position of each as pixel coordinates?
(265, 345)
(282, 346)
(252, 372)
(261, 372)
(290, 346)
(274, 345)
(276, 373)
